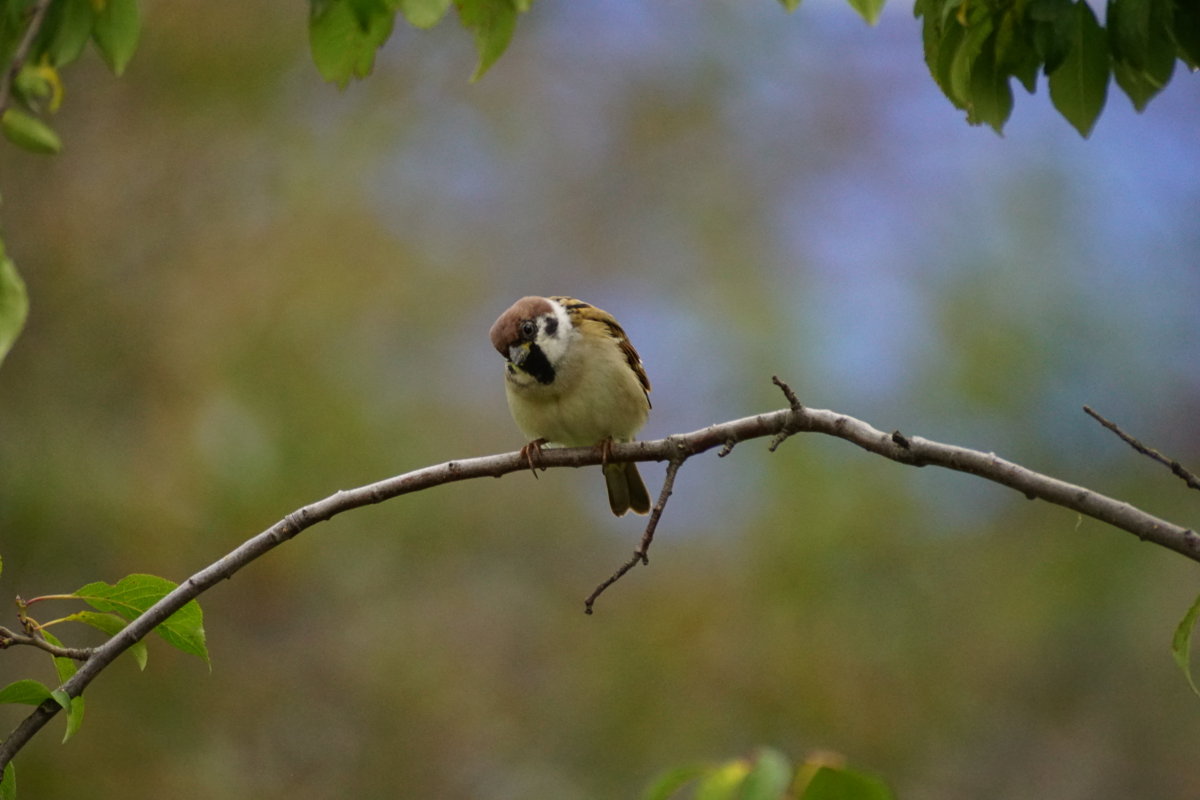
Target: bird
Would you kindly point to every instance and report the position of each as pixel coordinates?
(573, 379)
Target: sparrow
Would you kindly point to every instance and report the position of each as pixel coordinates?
(574, 380)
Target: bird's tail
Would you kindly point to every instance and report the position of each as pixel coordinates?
(626, 491)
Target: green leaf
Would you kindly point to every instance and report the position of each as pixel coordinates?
(1181, 643)
(1015, 53)
(1079, 87)
(966, 55)
(1128, 24)
(116, 29)
(948, 46)
(14, 304)
(1051, 21)
(65, 31)
(867, 9)
(932, 36)
(768, 778)
(1026, 72)
(29, 132)
(8, 784)
(1186, 32)
(74, 718)
(829, 783)
(365, 9)
(133, 594)
(951, 8)
(724, 782)
(1142, 50)
(112, 625)
(1138, 86)
(492, 22)
(62, 698)
(342, 47)
(66, 668)
(1139, 33)
(31, 86)
(671, 781)
(74, 708)
(424, 13)
(26, 692)
(12, 29)
(991, 95)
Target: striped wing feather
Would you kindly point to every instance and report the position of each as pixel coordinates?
(587, 311)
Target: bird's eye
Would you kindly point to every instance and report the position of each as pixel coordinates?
(528, 329)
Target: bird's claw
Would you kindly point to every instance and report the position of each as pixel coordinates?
(532, 453)
(605, 446)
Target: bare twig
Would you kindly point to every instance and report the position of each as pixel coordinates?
(36, 16)
(911, 450)
(642, 553)
(793, 401)
(9, 638)
(1176, 468)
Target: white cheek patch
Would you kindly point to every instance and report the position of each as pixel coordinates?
(555, 333)
(562, 317)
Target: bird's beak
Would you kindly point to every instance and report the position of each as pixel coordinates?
(517, 353)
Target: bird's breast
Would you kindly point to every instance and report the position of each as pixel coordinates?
(593, 395)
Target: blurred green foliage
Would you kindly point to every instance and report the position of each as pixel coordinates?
(14, 303)
(973, 49)
(250, 290)
(768, 775)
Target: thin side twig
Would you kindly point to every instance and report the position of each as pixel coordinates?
(642, 553)
(10, 638)
(1177, 469)
(789, 428)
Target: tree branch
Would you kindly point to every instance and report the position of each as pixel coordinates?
(1177, 469)
(911, 450)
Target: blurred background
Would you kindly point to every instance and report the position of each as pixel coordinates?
(250, 289)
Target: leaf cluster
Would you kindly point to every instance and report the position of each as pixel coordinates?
(115, 606)
(975, 47)
(37, 39)
(345, 34)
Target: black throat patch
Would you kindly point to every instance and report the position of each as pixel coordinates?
(537, 365)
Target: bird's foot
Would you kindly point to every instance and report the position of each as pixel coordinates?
(532, 453)
(605, 446)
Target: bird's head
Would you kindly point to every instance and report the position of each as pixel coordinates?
(533, 335)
